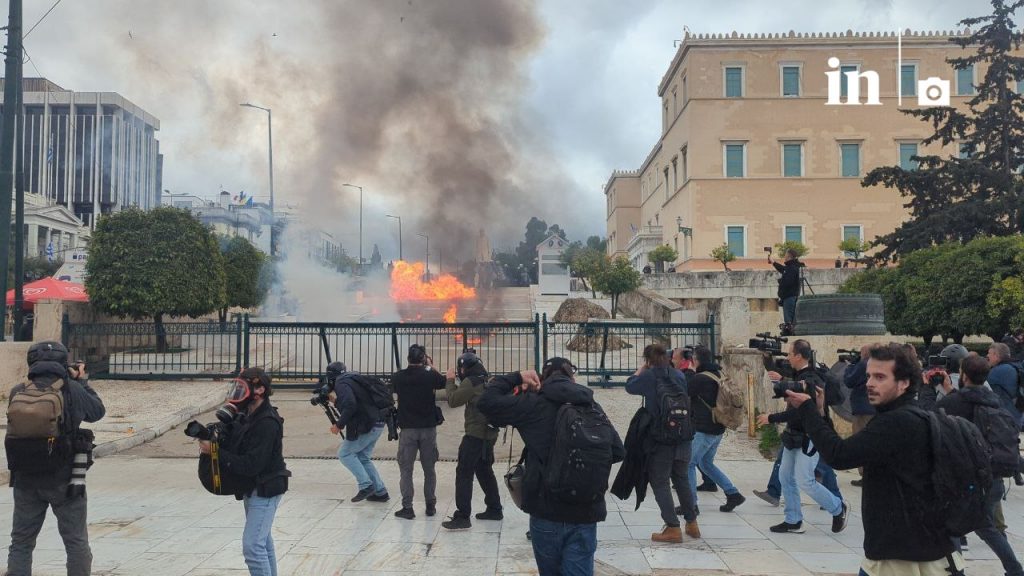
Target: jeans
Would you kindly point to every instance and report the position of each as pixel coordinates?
(995, 539)
(562, 549)
(796, 474)
(476, 458)
(411, 441)
(257, 543)
(30, 504)
(789, 310)
(666, 463)
(828, 478)
(356, 454)
(704, 448)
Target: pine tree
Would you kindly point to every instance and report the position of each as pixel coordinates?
(958, 199)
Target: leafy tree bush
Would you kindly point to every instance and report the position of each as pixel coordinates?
(724, 255)
(616, 279)
(243, 269)
(662, 254)
(783, 247)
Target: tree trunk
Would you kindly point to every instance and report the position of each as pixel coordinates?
(927, 341)
(958, 339)
(161, 333)
(615, 304)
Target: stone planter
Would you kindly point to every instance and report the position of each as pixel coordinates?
(840, 314)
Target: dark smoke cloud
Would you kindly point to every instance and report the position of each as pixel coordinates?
(419, 102)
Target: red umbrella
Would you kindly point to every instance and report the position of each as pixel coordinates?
(49, 288)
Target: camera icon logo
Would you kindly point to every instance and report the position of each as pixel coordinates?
(933, 91)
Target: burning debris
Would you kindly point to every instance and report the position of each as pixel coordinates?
(407, 285)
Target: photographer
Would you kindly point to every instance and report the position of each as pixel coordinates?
(942, 376)
(42, 476)
(476, 452)
(252, 457)
(684, 361)
(799, 457)
(363, 424)
(789, 287)
(418, 418)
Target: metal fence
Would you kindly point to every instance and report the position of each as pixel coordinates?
(297, 353)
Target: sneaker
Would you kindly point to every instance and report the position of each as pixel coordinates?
(1018, 479)
(707, 487)
(490, 515)
(786, 527)
(378, 497)
(764, 495)
(431, 509)
(406, 513)
(731, 502)
(858, 482)
(839, 520)
(963, 543)
(363, 495)
(457, 523)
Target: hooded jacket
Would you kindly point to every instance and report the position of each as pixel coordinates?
(533, 415)
(789, 282)
(81, 404)
(467, 393)
(961, 403)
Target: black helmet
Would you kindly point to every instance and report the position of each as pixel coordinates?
(48, 351)
(467, 362)
(335, 369)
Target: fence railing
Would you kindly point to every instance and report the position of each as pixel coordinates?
(298, 352)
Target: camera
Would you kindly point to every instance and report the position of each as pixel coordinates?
(933, 91)
(771, 349)
(936, 361)
(848, 356)
(779, 388)
(209, 432)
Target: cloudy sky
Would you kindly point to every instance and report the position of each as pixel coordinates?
(456, 115)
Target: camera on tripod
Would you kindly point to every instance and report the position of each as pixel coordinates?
(849, 356)
(771, 350)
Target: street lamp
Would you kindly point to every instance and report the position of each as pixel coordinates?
(360, 223)
(399, 218)
(427, 259)
(270, 150)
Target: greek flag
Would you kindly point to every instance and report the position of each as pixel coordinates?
(49, 252)
(49, 154)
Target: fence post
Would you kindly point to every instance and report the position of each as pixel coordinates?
(65, 331)
(394, 349)
(605, 376)
(544, 341)
(751, 419)
(245, 342)
(238, 343)
(536, 342)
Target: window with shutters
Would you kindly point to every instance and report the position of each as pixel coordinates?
(790, 81)
(907, 151)
(965, 81)
(908, 79)
(792, 159)
(736, 239)
(735, 160)
(849, 153)
(733, 81)
(843, 79)
(793, 233)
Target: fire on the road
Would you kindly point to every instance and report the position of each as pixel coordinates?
(407, 285)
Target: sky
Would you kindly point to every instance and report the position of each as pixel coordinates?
(457, 115)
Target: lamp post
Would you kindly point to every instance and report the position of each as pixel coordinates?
(270, 148)
(399, 218)
(360, 224)
(427, 258)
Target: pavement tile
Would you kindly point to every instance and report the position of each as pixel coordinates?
(518, 559)
(831, 562)
(161, 564)
(205, 541)
(465, 544)
(762, 562)
(297, 564)
(454, 566)
(629, 559)
(685, 558)
(384, 556)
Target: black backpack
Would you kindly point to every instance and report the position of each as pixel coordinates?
(580, 459)
(1018, 400)
(961, 474)
(674, 424)
(376, 398)
(1003, 437)
(834, 394)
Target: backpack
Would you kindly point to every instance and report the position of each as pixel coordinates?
(37, 441)
(1018, 401)
(1003, 437)
(728, 409)
(580, 459)
(674, 424)
(376, 399)
(834, 394)
(961, 474)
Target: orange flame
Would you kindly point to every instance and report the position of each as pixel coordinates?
(450, 315)
(407, 284)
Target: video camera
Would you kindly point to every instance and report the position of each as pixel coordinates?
(771, 349)
(779, 388)
(849, 356)
(937, 370)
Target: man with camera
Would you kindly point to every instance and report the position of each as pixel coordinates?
(44, 454)
(896, 453)
(563, 528)
(789, 287)
(363, 424)
(799, 456)
(476, 452)
(418, 418)
(251, 457)
(663, 389)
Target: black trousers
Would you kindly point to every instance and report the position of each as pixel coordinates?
(476, 458)
(667, 463)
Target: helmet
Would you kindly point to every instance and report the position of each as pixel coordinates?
(335, 369)
(417, 354)
(48, 351)
(466, 362)
(954, 352)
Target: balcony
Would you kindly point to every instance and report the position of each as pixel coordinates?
(645, 239)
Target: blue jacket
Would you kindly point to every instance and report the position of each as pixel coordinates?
(856, 379)
(646, 385)
(1003, 380)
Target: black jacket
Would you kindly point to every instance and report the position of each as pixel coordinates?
(789, 283)
(703, 397)
(415, 387)
(351, 400)
(961, 403)
(895, 452)
(533, 414)
(794, 425)
(252, 454)
(632, 475)
(81, 404)
(856, 379)
(646, 385)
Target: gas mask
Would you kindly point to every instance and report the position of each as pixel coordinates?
(237, 400)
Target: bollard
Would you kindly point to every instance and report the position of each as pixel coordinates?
(751, 404)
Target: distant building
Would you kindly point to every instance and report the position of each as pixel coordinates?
(250, 221)
(91, 152)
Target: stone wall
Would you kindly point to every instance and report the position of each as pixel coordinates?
(13, 367)
(652, 307)
(751, 284)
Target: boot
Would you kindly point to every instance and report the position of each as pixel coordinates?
(732, 501)
(670, 534)
(692, 530)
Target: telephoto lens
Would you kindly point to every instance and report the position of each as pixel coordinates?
(198, 431)
(79, 467)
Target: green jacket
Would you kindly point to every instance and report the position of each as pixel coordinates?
(467, 394)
